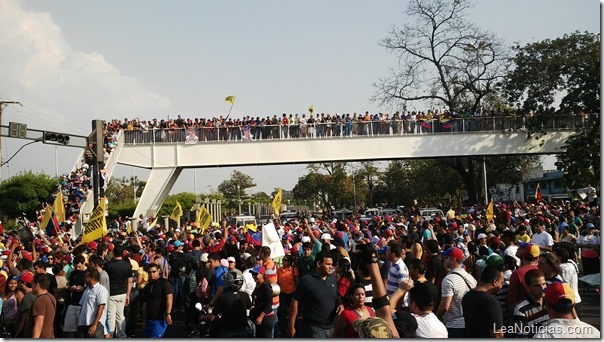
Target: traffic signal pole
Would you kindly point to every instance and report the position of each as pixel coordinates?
(3, 105)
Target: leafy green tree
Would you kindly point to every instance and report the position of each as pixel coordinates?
(234, 188)
(121, 190)
(442, 57)
(561, 77)
(260, 197)
(326, 184)
(26, 193)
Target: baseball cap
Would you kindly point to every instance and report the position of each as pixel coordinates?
(533, 250)
(93, 245)
(454, 252)
(204, 257)
(589, 225)
(494, 260)
(482, 236)
(231, 259)
(305, 239)
(326, 236)
(224, 262)
(26, 277)
(372, 327)
(177, 243)
(560, 295)
(26, 255)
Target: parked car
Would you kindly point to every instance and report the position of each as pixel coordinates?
(430, 213)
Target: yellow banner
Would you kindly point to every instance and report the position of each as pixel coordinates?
(311, 109)
(204, 219)
(277, 202)
(230, 99)
(97, 225)
(59, 207)
(176, 213)
(489, 214)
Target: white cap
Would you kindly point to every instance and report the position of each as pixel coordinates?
(482, 236)
(204, 257)
(231, 259)
(326, 236)
(311, 220)
(305, 239)
(245, 255)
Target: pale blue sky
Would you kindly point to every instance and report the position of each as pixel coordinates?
(70, 62)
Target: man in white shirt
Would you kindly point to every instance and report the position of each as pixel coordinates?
(560, 303)
(93, 315)
(542, 238)
(422, 297)
(249, 284)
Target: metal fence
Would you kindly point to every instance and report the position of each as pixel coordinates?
(353, 129)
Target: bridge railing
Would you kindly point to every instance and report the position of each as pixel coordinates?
(350, 129)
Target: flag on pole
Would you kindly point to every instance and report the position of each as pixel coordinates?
(176, 213)
(489, 213)
(230, 98)
(97, 225)
(538, 194)
(59, 206)
(203, 219)
(49, 221)
(311, 109)
(277, 202)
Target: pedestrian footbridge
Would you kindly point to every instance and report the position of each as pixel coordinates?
(166, 152)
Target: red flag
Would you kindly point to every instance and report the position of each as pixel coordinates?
(538, 194)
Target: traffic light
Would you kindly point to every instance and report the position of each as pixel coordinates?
(56, 137)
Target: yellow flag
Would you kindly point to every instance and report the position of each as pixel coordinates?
(176, 213)
(204, 219)
(311, 109)
(59, 207)
(152, 225)
(97, 225)
(277, 202)
(230, 99)
(47, 216)
(489, 214)
(251, 226)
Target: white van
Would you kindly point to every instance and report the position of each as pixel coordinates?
(242, 220)
(430, 213)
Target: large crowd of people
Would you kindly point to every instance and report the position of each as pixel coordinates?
(327, 125)
(457, 275)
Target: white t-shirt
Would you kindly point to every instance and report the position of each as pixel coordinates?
(567, 328)
(511, 251)
(429, 326)
(249, 284)
(543, 239)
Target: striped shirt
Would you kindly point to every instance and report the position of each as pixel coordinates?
(529, 314)
(396, 274)
(455, 286)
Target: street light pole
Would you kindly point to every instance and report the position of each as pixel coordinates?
(484, 173)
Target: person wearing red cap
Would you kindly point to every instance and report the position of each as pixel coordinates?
(560, 304)
(453, 288)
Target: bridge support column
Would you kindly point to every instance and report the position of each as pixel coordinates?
(159, 184)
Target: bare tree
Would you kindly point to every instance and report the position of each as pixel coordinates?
(442, 57)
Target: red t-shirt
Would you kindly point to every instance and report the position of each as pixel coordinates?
(350, 315)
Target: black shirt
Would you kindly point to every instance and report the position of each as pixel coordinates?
(318, 297)
(481, 311)
(263, 300)
(119, 271)
(154, 294)
(233, 306)
(75, 278)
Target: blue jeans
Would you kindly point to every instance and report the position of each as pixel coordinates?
(155, 328)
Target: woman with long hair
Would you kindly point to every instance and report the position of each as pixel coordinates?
(11, 298)
(356, 310)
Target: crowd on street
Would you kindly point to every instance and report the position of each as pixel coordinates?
(398, 275)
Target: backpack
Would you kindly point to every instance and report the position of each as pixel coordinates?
(192, 281)
(201, 292)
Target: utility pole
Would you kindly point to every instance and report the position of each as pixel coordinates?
(3, 105)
